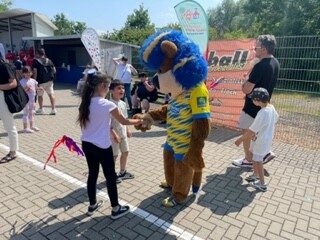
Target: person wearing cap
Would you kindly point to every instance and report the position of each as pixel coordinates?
(260, 135)
(7, 82)
(264, 74)
(123, 73)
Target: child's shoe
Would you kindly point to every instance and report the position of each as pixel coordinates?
(251, 178)
(125, 175)
(35, 129)
(92, 209)
(122, 210)
(28, 130)
(257, 185)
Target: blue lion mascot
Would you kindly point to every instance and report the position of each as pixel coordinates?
(181, 72)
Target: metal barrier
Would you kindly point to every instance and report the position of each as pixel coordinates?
(297, 93)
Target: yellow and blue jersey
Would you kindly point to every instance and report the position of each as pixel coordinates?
(182, 110)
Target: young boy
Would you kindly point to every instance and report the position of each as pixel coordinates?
(119, 132)
(261, 133)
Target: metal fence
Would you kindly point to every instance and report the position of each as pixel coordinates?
(297, 93)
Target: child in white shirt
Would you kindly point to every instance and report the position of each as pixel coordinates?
(261, 134)
(120, 133)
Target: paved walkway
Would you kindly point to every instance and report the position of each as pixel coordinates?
(51, 204)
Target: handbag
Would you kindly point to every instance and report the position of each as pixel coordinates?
(16, 98)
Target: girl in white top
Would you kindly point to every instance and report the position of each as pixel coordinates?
(94, 119)
(30, 86)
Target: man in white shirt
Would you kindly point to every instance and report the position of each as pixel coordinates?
(123, 73)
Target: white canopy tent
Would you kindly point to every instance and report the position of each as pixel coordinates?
(18, 23)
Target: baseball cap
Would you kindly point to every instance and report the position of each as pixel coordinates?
(260, 94)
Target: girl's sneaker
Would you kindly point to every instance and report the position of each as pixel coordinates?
(123, 210)
(92, 209)
(28, 130)
(35, 129)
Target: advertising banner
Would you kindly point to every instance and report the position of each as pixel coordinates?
(229, 62)
(194, 23)
(90, 40)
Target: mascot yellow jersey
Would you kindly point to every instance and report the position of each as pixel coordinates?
(190, 104)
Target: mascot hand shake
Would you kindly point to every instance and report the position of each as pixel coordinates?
(181, 71)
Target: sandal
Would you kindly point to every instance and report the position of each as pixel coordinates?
(9, 157)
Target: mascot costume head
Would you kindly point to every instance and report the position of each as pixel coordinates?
(176, 58)
(181, 71)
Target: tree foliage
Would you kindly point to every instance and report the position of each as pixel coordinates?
(138, 19)
(5, 5)
(249, 18)
(137, 27)
(66, 26)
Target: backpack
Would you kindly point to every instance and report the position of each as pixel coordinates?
(45, 71)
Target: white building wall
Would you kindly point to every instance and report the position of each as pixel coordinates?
(41, 28)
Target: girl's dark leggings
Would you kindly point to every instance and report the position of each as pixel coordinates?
(96, 156)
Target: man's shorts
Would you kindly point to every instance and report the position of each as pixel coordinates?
(123, 146)
(48, 87)
(245, 120)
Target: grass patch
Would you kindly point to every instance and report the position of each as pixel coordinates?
(304, 103)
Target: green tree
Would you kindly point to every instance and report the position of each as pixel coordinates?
(226, 20)
(138, 19)
(5, 5)
(66, 26)
(136, 29)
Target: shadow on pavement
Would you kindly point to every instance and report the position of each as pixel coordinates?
(227, 192)
(149, 134)
(85, 227)
(220, 134)
(153, 206)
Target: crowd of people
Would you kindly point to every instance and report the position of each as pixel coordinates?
(103, 122)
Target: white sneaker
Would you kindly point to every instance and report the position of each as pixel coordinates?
(40, 111)
(242, 162)
(267, 158)
(53, 112)
(36, 129)
(28, 130)
(259, 186)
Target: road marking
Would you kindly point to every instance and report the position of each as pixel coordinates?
(166, 226)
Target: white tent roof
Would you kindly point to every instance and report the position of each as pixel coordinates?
(20, 19)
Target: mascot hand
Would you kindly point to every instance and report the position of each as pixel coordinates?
(147, 121)
(194, 160)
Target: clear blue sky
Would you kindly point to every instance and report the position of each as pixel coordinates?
(106, 15)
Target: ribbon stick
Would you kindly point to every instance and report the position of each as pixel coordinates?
(67, 141)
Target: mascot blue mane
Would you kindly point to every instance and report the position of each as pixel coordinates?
(189, 66)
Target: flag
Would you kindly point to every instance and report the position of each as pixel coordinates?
(194, 23)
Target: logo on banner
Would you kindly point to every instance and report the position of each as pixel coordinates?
(239, 58)
(189, 14)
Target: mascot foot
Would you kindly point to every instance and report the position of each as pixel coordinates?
(195, 189)
(164, 184)
(169, 202)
